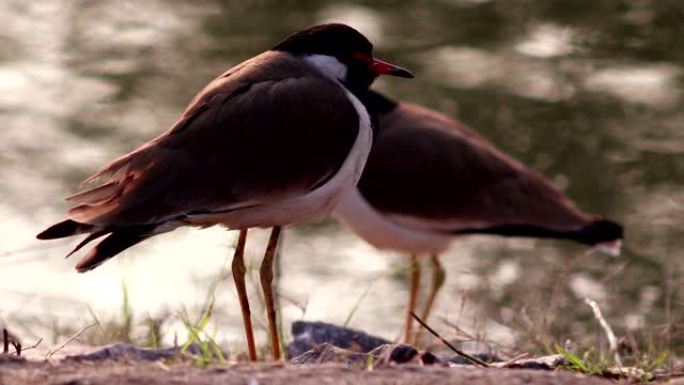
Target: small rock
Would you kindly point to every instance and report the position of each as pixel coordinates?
(325, 353)
(381, 356)
(308, 335)
(485, 357)
(542, 363)
(428, 358)
(399, 354)
(120, 351)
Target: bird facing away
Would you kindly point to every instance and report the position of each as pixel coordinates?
(275, 140)
(429, 179)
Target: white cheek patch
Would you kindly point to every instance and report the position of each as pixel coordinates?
(328, 66)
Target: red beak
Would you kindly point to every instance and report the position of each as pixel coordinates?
(383, 68)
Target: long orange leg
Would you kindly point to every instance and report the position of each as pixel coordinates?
(239, 272)
(266, 274)
(438, 276)
(414, 282)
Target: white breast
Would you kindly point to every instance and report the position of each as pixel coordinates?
(354, 210)
(382, 232)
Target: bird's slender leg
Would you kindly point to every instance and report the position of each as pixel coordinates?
(438, 276)
(414, 282)
(266, 274)
(239, 271)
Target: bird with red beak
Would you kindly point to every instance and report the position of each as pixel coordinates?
(431, 179)
(276, 140)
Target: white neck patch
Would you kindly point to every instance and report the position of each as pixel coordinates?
(328, 66)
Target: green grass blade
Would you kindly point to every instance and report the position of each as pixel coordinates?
(353, 310)
(575, 362)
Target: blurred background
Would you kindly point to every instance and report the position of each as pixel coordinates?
(589, 92)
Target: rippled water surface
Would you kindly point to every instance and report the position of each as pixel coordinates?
(587, 92)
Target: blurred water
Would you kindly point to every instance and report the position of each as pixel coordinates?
(587, 92)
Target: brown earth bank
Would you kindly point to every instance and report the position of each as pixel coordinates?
(65, 372)
(117, 372)
(319, 354)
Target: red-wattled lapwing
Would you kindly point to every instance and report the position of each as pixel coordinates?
(430, 178)
(275, 140)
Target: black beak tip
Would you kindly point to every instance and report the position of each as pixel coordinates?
(403, 73)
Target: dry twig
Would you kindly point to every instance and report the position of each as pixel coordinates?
(461, 353)
(52, 352)
(6, 341)
(514, 360)
(612, 341)
(40, 340)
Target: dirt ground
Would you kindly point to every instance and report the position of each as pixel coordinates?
(66, 372)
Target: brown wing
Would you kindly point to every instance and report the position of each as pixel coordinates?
(426, 167)
(250, 136)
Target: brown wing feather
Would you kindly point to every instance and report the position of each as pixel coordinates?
(97, 194)
(250, 135)
(440, 170)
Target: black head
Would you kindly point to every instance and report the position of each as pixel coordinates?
(348, 46)
(326, 39)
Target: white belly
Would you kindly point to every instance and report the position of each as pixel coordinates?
(383, 232)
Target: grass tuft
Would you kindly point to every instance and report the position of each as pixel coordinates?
(201, 344)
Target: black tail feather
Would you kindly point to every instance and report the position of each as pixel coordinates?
(91, 237)
(116, 242)
(64, 229)
(596, 232)
(600, 231)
